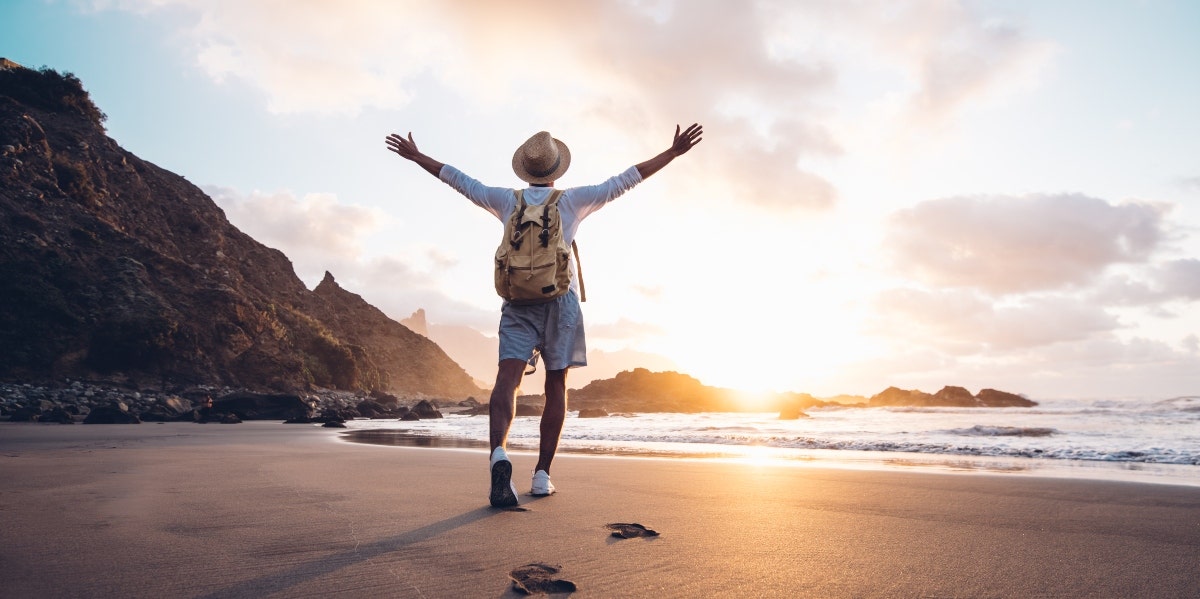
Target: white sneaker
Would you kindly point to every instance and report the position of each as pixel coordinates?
(541, 484)
(504, 492)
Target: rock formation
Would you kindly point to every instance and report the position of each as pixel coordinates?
(417, 323)
(113, 269)
(953, 397)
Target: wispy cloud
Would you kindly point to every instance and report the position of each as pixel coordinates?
(1007, 244)
(969, 323)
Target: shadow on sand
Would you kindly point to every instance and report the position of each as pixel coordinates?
(301, 574)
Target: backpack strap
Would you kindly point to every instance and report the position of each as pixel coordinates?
(579, 267)
(515, 220)
(574, 247)
(552, 202)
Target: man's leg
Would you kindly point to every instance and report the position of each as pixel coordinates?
(503, 406)
(552, 417)
(504, 399)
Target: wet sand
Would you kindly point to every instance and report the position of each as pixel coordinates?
(265, 509)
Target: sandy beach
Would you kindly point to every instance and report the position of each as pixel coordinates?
(263, 509)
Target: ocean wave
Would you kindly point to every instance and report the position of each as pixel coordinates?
(1189, 403)
(688, 444)
(980, 430)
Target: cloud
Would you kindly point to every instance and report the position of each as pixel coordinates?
(1014, 244)
(967, 323)
(1169, 281)
(314, 224)
(760, 75)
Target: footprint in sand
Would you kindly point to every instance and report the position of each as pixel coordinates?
(630, 530)
(532, 579)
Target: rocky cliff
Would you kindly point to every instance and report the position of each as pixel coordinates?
(114, 269)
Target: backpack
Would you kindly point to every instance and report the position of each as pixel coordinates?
(533, 262)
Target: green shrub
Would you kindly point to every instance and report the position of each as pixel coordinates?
(49, 90)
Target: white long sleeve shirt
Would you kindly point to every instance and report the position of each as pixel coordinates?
(575, 204)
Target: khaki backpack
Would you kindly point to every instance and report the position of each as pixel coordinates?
(532, 262)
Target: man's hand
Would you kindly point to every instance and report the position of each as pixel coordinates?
(407, 149)
(679, 146)
(684, 141)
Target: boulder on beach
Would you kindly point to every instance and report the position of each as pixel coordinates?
(593, 413)
(111, 415)
(425, 410)
(167, 409)
(57, 414)
(262, 406)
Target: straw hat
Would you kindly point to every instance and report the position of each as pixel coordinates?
(541, 159)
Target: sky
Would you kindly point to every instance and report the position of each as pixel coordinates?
(989, 194)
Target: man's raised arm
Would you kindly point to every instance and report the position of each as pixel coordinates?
(407, 149)
(682, 143)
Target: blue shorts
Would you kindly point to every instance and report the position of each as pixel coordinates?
(553, 329)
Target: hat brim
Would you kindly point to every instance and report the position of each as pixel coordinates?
(564, 161)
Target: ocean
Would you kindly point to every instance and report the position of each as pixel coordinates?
(1114, 439)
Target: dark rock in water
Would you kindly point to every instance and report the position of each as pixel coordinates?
(334, 424)
(593, 413)
(386, 399)
(469, 402)
(992, 398)
(528, 410)
(894, 396)
(370, 408)
(792, 412)
(425, 410)
(230, 419)
(539, 578)
(344, 414)
(630, 530)
(111, 415)
(950, 396)
(482, 410)
(953, 397)
(262, 406)
(410, 415)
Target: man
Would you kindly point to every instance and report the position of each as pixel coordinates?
(553, 329)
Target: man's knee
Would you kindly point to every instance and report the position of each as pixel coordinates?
(509, 372)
